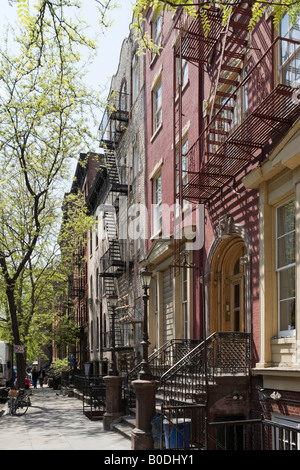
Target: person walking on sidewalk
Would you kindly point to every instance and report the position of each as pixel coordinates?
(41, 377)
(35, 375)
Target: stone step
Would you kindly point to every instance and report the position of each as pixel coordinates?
(126, 425)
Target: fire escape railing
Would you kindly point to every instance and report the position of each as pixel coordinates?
(221, 353)
(114, 120)
(227, 146)
(114, 260)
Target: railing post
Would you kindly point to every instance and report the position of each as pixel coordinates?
(141, 436)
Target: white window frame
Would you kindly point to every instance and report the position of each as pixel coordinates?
(157, 105)
(292, 55)
(292, 331)
(135, 77)
(184, 165)
(157, 204)
(185, 303)
(185, 73)
(157, 31)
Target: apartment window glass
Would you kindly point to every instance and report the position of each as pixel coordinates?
(92, 335)
(290, 54)
(97, 238)
(157, 205)
(285, 247)
(157, 106)
(97, 283)
(91, 242)
(245, 91)
(185, 72)
(184, 166)
(156, 31)
(135, 77)
(91, 287)
(185, 303)
(123, 97)
(156, 304)
(135, 158)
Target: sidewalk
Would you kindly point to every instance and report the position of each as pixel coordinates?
(56, 422)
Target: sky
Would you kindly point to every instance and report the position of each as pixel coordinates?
(105, 64)
(110, 42)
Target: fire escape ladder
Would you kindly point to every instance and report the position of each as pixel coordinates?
(229, 75)
(113, 174)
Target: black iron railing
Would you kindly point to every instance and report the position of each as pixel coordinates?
(182, 426)
(83, 381)
(160, 361)
(253, 434)
(185, 426)
(221, 353)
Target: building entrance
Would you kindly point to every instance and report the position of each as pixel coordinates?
(227, 287)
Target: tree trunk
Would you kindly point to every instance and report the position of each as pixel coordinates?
(20, 357)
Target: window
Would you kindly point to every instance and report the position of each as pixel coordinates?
(92, 335)
(185, 73)
(157, 106)
(134, 77)
(185, 303)
(135, 159)
(245, 102)
(97, 283)
(290, 54)
(157, 205)
(285, 266)
(156, 32)
(184, 166)
(123, 97)
(97, 237)
(91, 242)
(156, 311)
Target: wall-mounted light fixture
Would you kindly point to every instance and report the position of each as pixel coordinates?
(264, 395)
(237, 396)
(275, 395)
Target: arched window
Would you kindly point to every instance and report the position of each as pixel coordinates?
(123, 96)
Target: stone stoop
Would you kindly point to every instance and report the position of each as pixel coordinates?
(126, 425)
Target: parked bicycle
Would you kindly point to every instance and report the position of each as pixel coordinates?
(19, 402)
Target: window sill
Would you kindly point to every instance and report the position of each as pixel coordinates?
(183, 89)
(156, 235)
(284, 340)
(155, 133)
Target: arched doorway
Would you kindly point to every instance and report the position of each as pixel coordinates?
(227, 286)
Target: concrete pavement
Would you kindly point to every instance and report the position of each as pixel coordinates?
(56, 422)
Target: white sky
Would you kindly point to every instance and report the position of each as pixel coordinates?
(110, 41)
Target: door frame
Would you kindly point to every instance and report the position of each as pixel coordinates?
(234, 235)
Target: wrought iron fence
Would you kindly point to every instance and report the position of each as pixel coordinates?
(182, 426)
(185, 426)
(257, 434)
(83, 381)
(93, 393)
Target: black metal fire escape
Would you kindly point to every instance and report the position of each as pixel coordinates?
(117, 256)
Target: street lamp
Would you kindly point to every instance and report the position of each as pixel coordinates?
(145, 373)
(113, 300)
